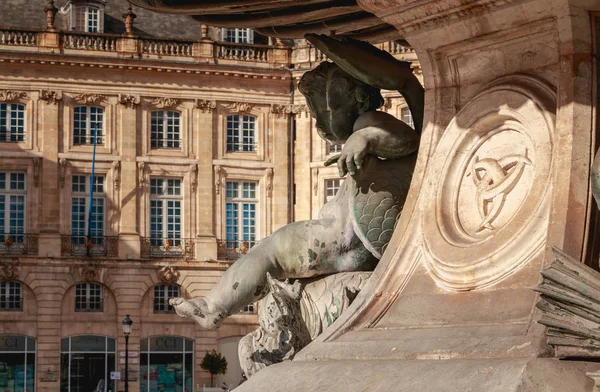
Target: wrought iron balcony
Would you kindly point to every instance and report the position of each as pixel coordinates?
(19, 244)
(76, 245)
(179, 248)
(233, 250)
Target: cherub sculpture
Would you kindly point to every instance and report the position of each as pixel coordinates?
(355, 227)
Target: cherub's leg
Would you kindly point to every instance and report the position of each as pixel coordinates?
(300, 249)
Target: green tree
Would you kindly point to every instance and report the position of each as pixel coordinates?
(214, 363)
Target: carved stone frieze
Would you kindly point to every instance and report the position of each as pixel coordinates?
(129, 101)
(9, 270)
(62, 162)
(281, 111)
(52, 97)
(37, 162)
(165, 102)
(168, 274)
(217, 170)
(11, 95)
(89, 273)
(116, 168)
(89, 99)
(570, 305)
(239, 107)
(489, 178)
(205, 105)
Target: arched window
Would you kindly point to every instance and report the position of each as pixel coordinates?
(12, 122)
(86, 362)
(241, 133)
(17, 363)
(162, 294)
(86, 119)
(166, 362)
(165, 129)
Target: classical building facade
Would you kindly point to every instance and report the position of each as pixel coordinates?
(202, 147)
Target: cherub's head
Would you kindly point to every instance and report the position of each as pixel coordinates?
(336, 100)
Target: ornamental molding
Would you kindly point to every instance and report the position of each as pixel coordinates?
(168, 274)
(9, 271)
(165, 102)
(62, 162)
(11, 95)
(281, 111)
(36, 171)
(194, 177)
(218, 172)
(89, 273)
(52, 97)
(269, 175)
(116, 168)
(239, 107)
(89, 99)
(129, 101)
(205, 105)
(141, 178)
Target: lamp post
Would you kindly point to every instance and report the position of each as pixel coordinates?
(127, 322)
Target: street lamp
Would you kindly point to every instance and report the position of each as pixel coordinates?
(127, 322)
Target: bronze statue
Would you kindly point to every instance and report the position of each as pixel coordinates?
(354, 228)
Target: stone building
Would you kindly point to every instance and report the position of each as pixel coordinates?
(203, 147)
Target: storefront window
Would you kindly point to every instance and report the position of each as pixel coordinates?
(17, 363)
(166, 364)
(86, 362)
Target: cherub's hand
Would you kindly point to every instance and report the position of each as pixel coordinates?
(352, 156)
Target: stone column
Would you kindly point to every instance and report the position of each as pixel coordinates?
(279, 194)
(206, 245)
(50, 218)
(129, 243)
(302, 171)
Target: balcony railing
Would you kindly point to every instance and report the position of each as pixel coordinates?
(19, 244)
(105, 246)
(242, 52)
(91, 41)
(178, 248)
(18, 37)
(165, 143)
(164, 47)
(233, 250)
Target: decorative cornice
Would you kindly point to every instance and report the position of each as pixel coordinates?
(239, 107)
(194, 177)
(168, 274)
(130, 101)
(165, 102)
(116, 167)
(89, 99)
(207, 106)
(50, 96)
(62, 162)
(11, 95)
(36, 171)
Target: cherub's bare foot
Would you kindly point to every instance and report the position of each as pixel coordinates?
(198, 310)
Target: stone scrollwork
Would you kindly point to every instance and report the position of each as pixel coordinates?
(205, 105)
(218, 172)
(166, 102)
(129, 101)
(239, 107)
(89, 99)
(168, 275)
(489, 176)
(52, 97)
(62, 162)
(9, 271)
(116, 167)
(193, 177)
(11, 95)
(141, 175)
(89, 273)
(269, 186)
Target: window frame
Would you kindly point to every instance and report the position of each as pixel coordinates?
(7, 194)
(161, 301)
(327, 188)
(239, 200)
(405, 115)
(88, 131)
(88, 296)
(99, 179)
(81, 18)
(165, 197)
(9, 131)
(176, 143)
(6, 299)
(237, 132)
(239, 36)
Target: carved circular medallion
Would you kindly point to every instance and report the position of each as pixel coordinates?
(487, 204)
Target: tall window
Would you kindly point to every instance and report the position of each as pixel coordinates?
(239, 36)
(12, 206)
(86, 119)
(80, 209)
(240, 214)
(164, 129)
(12, 122)
(17, 363)
(407, 117)
(332, 187)
(11, 297)
(88, 297)
(86, 362)
(165, 211)
(88, 19)
(162, 294)
(335, 148)
(241, 134)
(166, 364)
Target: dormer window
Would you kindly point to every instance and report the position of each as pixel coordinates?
(238, 36)
(87, 17)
